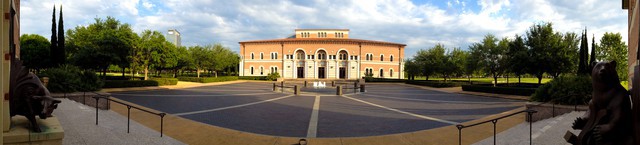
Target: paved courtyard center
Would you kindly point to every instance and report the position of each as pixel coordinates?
(385, 108)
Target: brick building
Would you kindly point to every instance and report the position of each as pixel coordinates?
(321, 54)
(634, 35)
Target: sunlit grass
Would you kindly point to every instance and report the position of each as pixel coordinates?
(500, 80)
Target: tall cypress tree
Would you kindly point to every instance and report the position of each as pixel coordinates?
(582, 62)
(54, 40)
(61, 49)
(593, 52)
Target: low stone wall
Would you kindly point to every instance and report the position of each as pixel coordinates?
(550, 110)
(86, 98)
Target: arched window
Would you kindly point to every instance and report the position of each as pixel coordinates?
(252, 55)
(381, 73)
(391, 58)
(390, 72)
(251, 69)
(261, 55)
(343, 55)
(300, 54)
(322, 55)
(381, 57)
(261, 70)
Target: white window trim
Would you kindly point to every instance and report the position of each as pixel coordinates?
(391, 72)
(251, 70)
(261, 55)
(252, 56)
(381, 57)
(391, 57)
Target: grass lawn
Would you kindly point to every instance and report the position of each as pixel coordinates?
(500, 80)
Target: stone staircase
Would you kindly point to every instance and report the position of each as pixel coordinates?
(545, 132)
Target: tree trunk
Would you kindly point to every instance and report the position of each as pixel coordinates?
(175, 73)
(427, 76)
(146, 72)
(198, 73)
(123, 72)
(507, 80)
(539, 76)
(469, 78)
(215, 73)
(104, 74)
(520, 76)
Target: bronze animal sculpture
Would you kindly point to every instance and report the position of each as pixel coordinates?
(608, 120)
(30, 98)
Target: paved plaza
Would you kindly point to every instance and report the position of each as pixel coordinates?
(383, 109)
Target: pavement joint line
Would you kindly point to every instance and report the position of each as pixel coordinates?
(160, 95)
(403, 112)
(231, 107)
(313, 122)
(438, 101)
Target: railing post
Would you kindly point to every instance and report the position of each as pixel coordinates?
(162, 123)
(333, 83)
(339, 90)
(274, 86)
(296, 90)
(128, 117)
(305, 84)
(494, 130)
(459, 133)
(97, 98)
(282, 86)
(361, 87)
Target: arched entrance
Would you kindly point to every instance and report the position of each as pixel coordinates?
(300, 56)
(322, 64)
(342, 72)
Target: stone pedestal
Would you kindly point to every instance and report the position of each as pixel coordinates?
(20, 132)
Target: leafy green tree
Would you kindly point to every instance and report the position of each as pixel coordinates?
(489, 55)
(583, 65)
(223, 58)
(201, 58)
(471, 65)
(593, 58)
(412, 68)
(564, 53)
(422, 59)
(612, 48)
(457, 61)
(438, 60)
(34, 51)
(150, 51)
(103, 43)
(517, 57)
(184, 60)
(540, 38)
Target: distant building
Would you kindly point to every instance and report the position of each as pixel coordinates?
(322, 54)
(174, 37)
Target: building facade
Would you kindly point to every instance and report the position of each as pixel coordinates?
(322, 54)
(174, 37)
(633, 7)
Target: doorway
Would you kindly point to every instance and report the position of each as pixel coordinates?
(343, 73)
(300, 72)
(321, 73)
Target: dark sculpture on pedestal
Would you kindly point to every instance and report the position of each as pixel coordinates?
(29, 97)
(609, 119)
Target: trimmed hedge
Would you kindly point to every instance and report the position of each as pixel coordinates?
(208, 79)
(69, 78)
(123, 78)
(435, 84)
(166, 81)
(253, 78)
(129, 83)
(499, 90)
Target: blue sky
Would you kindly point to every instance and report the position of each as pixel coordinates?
(420, 23)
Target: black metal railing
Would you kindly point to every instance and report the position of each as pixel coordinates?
(129, 106)
(495, 121)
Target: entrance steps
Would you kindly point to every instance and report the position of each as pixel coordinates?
(544, 132)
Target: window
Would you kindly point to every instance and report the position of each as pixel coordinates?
(300, 54)
(356, 57)
(251, 69)
(322, 55)
(381, 73)
(251, 55)
(391, 58)
(274, 69)
(390, 72)
(274, 55)
(369, 57)
(343, 55)
(381, 57)
(261, 70)
(261, 55)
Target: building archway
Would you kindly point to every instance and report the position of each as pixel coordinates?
(322, 64)
(300, 63)
(343, 56)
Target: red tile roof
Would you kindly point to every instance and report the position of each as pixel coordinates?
(322, 40)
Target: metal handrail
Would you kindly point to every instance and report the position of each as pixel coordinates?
(106, 97)
(495, 121)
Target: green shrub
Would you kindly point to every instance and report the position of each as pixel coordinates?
(368, 77)
(565, 90)
(129, 83)
(165, 81)
(436, 84)
(273, 76)
(123, 78)
(68, 78)
(208, 79)
(252, 77)
(522, 91)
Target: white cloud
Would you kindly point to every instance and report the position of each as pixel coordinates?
(455, 23)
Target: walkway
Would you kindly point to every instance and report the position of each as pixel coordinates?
(79, 125)
(545, 132)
